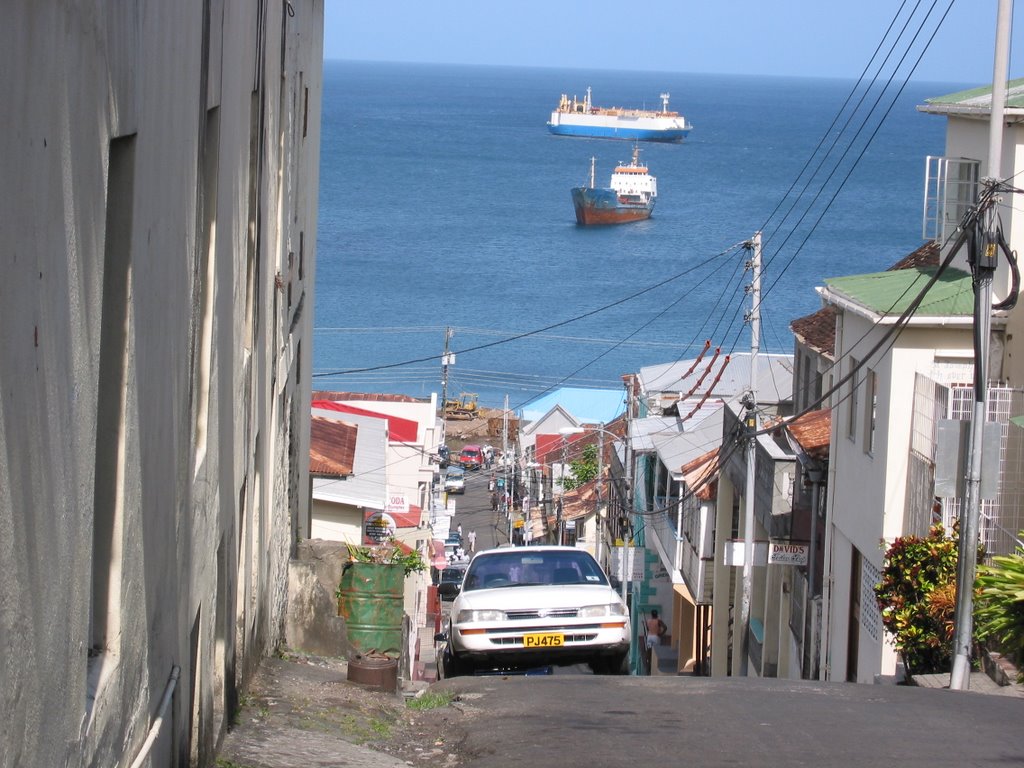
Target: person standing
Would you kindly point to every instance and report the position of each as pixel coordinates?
(472, 541)
(656, 629)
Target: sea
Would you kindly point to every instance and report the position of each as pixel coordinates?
(446, 222)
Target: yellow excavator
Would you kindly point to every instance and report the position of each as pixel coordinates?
(465, 407)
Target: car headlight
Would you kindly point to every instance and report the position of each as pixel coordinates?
(597, 611)
(468, 616)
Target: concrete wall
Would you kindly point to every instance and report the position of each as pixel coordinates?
(161, 160)
(969, 138)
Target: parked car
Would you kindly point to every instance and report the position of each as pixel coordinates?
(524, 607)
(455, 480)
(471, 457)
(451, 581)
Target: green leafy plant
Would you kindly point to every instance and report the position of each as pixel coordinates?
(917, 597)
(999, 612)
(387, 553)
(581, 470)
(431, 700)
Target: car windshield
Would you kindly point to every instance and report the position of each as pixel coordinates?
(452, 574)
(531, 567)
(456, 472)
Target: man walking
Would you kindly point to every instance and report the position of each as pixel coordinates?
(472, 541)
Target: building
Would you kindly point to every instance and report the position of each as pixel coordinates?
(896, 389)
(161, 160)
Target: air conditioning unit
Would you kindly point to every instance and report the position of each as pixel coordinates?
(950, 189)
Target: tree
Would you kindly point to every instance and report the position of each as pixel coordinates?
(581, 470)
(917, 598)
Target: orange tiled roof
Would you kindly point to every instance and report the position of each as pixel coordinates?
(925, 256)
(812, 431)
(332, 447)
(817, 330)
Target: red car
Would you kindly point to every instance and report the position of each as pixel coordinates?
(471, 457)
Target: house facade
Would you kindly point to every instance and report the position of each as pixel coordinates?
(155, 348)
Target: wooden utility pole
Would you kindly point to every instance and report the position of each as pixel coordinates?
(750, 402)
(445, 362)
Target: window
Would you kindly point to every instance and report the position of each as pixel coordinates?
(870, 410)
(851, 423)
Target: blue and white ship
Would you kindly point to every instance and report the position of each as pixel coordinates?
(581, 118)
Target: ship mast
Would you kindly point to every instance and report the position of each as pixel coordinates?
(592, 161)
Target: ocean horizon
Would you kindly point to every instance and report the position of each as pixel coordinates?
(445, 203)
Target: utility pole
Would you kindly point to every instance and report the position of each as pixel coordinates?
(446, 360)
(598, 528)
(750, 401)
(983, 265)
(504, 464)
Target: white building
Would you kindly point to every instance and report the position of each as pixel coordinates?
(160, 161)
(883, 448)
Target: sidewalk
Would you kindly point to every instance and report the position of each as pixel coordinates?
(302, 712)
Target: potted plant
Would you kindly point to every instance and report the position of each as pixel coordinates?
(371, 596)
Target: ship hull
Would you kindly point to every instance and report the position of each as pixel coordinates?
(604, 127)
(603, 206)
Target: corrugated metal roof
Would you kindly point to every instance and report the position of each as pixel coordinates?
(590, 406)
(379, 397)
(332, 446)
(676, 442)
(890, 293)
(774, 377)
(976, 100)
(367, 485)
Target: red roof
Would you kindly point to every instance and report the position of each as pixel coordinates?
(410, 519)
(332, 447)
(399, 430)
(813, 431)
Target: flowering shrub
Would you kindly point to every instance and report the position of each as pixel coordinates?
(917, 598)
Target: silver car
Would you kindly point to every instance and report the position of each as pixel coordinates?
(455, 480)
(527, 607)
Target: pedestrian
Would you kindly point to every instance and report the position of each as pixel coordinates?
(656, 629)
(459, 529)
(472, 541)
(494, 501)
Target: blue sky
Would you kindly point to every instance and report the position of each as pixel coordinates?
(825, 38)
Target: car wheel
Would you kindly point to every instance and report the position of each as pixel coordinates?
(611, 665)
(452, 665)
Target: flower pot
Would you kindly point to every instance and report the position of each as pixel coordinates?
(371, 600)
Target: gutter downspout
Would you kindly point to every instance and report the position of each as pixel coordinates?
(154, 730)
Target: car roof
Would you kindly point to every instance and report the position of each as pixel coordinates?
(471, 447)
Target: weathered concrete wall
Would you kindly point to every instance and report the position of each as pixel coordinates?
(161, 161)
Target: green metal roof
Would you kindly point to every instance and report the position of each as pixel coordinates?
(977, 99)
(889, 293)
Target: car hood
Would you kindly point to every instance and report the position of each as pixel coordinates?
(542, 596)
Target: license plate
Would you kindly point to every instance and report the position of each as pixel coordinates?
(546, 640)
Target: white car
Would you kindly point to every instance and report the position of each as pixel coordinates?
(455, 480)
(527, 607)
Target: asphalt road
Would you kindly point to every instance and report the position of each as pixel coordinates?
(554, 722)
(473, 511)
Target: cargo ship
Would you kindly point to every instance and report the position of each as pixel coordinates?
(630, 196)
(582, 118)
